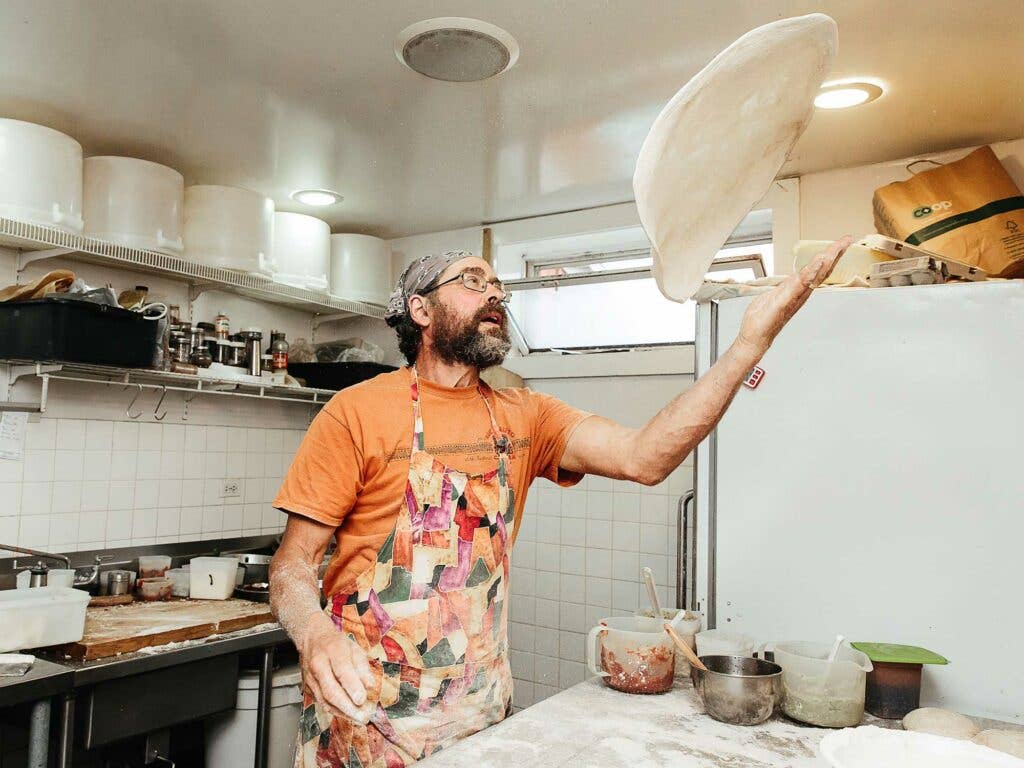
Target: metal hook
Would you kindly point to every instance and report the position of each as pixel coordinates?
(163, 394)
(128, 411)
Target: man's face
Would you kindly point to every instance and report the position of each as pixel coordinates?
(467, 326)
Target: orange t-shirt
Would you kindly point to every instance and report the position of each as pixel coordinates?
(352, 466)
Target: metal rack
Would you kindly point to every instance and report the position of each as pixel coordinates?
(37, 242)
(143, 378)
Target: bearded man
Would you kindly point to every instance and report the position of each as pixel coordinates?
(420, 477)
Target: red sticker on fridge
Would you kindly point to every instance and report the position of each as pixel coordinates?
(754, 377)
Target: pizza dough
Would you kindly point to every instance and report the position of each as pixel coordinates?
(716, 147)
(940, 722)
(1010, 742)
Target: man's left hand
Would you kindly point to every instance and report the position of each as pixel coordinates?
(769, 312)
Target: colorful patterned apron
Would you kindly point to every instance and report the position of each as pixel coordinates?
(431, 614)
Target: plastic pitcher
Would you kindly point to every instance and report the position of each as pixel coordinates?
(820, 692)
(636, 654)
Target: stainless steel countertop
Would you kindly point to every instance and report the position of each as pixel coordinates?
(97, 670)
(43, 680)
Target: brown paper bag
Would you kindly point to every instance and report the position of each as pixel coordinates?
(968, 211)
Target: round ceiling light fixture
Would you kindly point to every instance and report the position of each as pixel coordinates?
(849, 93)
(317, 197)
(456, 49)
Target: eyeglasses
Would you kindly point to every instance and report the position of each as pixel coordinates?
(474, 282)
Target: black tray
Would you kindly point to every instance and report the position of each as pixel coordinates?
(61, 328)
(336, 375)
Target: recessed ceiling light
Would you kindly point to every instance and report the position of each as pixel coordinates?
(846, 94)
(318, 197)
(456, 49)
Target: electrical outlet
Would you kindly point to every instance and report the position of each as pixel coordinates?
(231, 488)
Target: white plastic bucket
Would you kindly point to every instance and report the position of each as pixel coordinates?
(230, 736)
(302, 251)
(229, 227)
(134, 202)
(361, 268)
(40, 176)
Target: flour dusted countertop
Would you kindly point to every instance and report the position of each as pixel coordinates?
(593, 725)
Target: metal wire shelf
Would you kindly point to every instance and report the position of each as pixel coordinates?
(143, 378)
(39, 242)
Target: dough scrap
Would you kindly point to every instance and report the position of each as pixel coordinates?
(716, 147)
(940, 722)
(1010, 742)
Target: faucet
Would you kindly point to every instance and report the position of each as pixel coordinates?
(39, 569)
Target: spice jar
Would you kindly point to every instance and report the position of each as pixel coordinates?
(223, 351)
(222, 326)
(278, 351)
(201, 357)
(266, 363)
(253, 339)
(236, 352)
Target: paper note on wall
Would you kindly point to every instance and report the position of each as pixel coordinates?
(12, 436)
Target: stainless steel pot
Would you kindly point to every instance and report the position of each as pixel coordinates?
(737, 689)
(257, 567)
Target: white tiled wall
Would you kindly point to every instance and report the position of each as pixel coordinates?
(579, 554)
(89, 484)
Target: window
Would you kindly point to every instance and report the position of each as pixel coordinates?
(605, 298)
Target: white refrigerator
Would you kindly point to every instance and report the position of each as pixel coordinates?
(872, 484)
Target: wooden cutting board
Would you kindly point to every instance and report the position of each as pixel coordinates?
(126, 628)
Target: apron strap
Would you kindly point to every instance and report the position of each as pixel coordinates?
(501, 442)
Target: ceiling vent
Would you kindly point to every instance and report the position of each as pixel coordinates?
(456, 50)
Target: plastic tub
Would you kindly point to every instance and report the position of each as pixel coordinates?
(361, 268)
(718, 642)
(229, 227)
(819, 692)
(33, 618)
(62, 328)
(153, 566)
(230, 735)
(179, 581)
(155, 589)
(302, 251)
(212, 578)
(40, 176)
(134, 202)
(60, 577)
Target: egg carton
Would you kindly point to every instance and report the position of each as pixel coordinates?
(915, 266)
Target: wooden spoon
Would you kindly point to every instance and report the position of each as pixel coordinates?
(687, 651)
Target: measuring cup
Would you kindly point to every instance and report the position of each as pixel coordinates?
(636, 654)
(820, 692)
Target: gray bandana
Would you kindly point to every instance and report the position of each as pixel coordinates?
(417, 276)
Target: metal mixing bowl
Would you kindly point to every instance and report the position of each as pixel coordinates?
(737, 689)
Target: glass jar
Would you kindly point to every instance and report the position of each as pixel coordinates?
(222, 325)
(278, 351)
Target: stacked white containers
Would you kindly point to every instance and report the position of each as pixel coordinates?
(302, 251)
(134, 203)
(360, 268)
(40, 176)
(229, 227)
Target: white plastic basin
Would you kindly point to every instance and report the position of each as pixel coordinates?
(134, 202)
(41, 616)
(361, 268)
(212, 578)
(302, 251)
(40, 176)
(229, 227)
(873, 747)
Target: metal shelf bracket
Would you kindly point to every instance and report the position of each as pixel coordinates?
(27, 257)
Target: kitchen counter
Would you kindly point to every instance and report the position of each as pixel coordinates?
(161, 656)
(43, 680)
(593, 725)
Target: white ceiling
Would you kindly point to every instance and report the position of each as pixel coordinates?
(307, 93)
